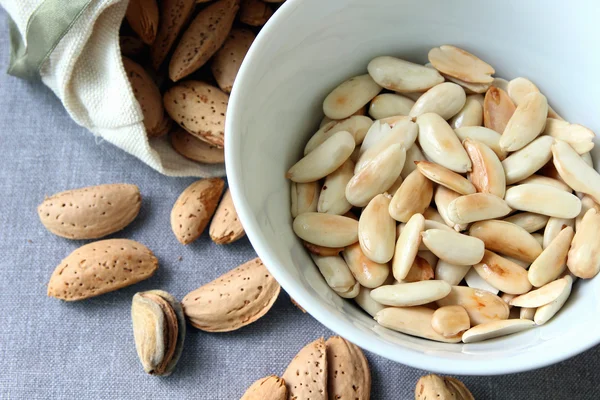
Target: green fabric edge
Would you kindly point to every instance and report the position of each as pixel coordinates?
(46, 26)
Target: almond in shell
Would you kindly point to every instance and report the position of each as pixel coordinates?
(148, 97)
(227, 61)
(236, 299)
(255, 12)
(348, 372)
(268, 388)
(195, 149)
(90, 212)
(194, 208)
(441, 388)
(172, 17)
(306, 375)
(203, 37)
(225, 226)
(142, 16)
(200, 109)
(101, 267)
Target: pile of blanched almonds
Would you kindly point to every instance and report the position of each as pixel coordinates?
(451, 216)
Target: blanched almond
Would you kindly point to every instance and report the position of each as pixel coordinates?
(332, 198)
(433, 215)
(335, 271)
(411, 294)
(531, 222)
(366, 302)
(543, 199)
(525, 162)
(503, 274)
(349, 96)
(413, 197)
(322, 250)
(402, 76)
(305, 197)
(414, 321)
(443, 197)
(451, 273)
(501, 83)
(584, 255)
(445, 99)
(520, 87)
(368, 273)
(440, 143)
(477, 207)
(507, 238)
(552, 262)
(497, 109)
(542, 296)
(481, 306)
(469, 87)
(453, 247)
(350, 293)
(403, 133)
(445, 177)
(450, 321)
(412, 154)
(577, 136)
(527, 313)
(554, 227)
(545, 180)
(586, 203)
(475, 281)
(390, 104)
(460, 64)
(377, 177)
(487, 174)
(486, 136)
(494, 329)
(421, 270)
(407, 246)
(470, 115)
(575, 171)
(357, 126)
(377, 230)
(326, 229)
(544, 313)
(526, 123)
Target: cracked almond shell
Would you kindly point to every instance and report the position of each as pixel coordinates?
(200, 109)
(194, 208)
(91, 212)
(268, 388)
(101, 267)
(158, 330)
(349, 376)
(235, 299)
(306, 375)
(226, 226)
(203, 37)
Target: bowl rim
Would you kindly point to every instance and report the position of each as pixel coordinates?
(519, 363)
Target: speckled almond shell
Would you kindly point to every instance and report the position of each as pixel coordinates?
(173, 15)
(255, 12)
(430, 387)
(148, 96)
(200, 109)
(236, 299)
(90, 212)
(204, 36)
(194, 208)
(142, 16)
(101, 267)
(306, 375)
(227, 61)
(195, 149)
(226, 227)
(348, 370)
(269, 388)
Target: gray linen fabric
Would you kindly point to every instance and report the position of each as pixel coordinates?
(51, 349)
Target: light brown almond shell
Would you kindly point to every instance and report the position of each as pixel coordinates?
(236, 299)
(255, 12)
(306, 375)
(268, 388)
(142, 16)
(348, 370)
(195, 149)
(172, 17)
(90, 212)
(226, 227)
(101, 267)
(194, 208)
(227, 61)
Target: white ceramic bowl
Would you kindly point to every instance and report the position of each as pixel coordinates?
(310, 46)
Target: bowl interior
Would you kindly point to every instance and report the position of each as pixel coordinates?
(308, 48)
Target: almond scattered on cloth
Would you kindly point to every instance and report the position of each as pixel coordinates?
(226, 227)
(101, 267)
(306, 375)
(91, 212)
(236, 299)
(269, 388)
(194, 208)
(431, 387)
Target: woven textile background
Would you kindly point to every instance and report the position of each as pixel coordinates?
(55, 350)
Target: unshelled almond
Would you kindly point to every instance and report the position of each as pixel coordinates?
(226, 226)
